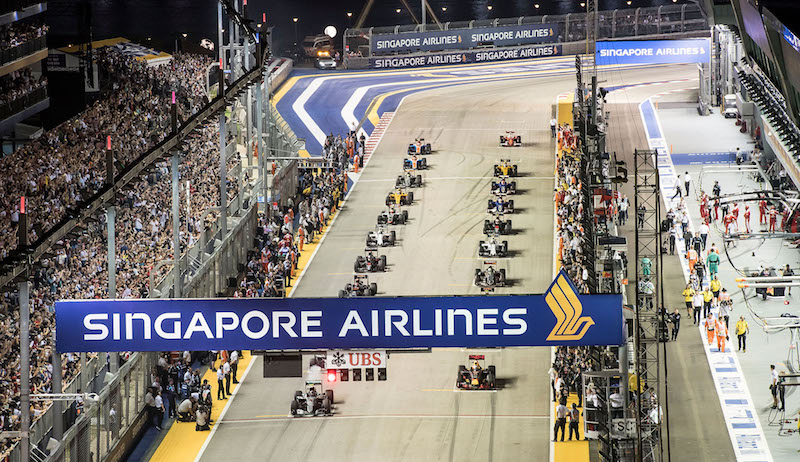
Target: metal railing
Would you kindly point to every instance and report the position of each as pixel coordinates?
(22, 50)
(23, 102)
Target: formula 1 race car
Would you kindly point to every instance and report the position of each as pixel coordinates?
(381, 237)
(400, 197)
(504, 187)
(509, 140)
(493, 248)
(370, 262)
(499, 205)
(497, 226)
(505, 168)
(415, 163)
(361, 287)
(312, 402)
(393, 216)
(476, 377)
(407, 180)
(488, 277)
(419, 146)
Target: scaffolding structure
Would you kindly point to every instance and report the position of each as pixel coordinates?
(650, 316)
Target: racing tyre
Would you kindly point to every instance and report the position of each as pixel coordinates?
(511, 205)
(329, 395)
(419, 180)
(489, 204)
(480, 248)
(341, 294)
(514, 170)
(496, 171)
(392, 237)
(505, 247)
(502, 140)
(383, 263)
(373, 288)
(326, 405)
(410, 197)
(401, 219)
(503, 275)
(508, 227)
(388, 201)
(405, 215)
(514, 186)
(477, 276)
(368, 241)
(295, 406)
(356, 266)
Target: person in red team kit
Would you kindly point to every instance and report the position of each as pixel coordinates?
(704, 206)
(735, 211)
(784, 218)
(773, 219)
(716, 209)
(747, 218)
(728, 221)
(762, 212)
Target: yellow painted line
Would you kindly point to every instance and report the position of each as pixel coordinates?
(571, 451)
(182, 443)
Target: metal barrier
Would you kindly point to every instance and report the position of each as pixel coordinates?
(613, 24)
(22, 50)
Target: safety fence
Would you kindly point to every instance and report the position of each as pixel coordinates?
(570, 28)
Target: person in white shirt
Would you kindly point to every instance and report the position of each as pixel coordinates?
(226, 369)
(220, 384)
(687, 181)
(553, 125)
(234, 365)
(774, 386)
(704, 234)
(159, 410)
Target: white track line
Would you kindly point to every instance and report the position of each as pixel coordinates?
(225, 410)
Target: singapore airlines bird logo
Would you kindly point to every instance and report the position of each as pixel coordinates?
(563, 301)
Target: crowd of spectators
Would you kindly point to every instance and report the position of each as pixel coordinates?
(62, 168)
(18, 33)
(344, 151)
(570, 201)
(18, 84)
(271, 266)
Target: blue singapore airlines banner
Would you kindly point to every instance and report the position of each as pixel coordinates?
(462, 39)
(472, 56)
(559, 317)
(653, 52)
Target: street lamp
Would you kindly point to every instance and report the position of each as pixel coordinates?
(295, 30)
(349, 19)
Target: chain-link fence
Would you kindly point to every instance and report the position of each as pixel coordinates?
(612, 24)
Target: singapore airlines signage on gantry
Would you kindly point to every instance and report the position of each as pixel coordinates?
(559, 317)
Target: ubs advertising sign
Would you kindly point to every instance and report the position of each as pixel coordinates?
(462, 39)
(653, 52)
(465, 57)
(559, 317)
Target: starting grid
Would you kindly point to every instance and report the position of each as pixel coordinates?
(738, 409)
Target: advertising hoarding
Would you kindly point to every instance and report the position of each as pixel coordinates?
(559, 317)
(463, 39)
(465, 57)
(653, 52)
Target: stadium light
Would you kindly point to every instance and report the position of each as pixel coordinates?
(349, 14)
(489, 7)
(444, 8)
(397, 11)
(295, 19)
(536, 5)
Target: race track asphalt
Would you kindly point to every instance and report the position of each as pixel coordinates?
(416, 414)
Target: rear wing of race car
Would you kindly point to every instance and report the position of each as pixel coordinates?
(476, 357)
(362, 277)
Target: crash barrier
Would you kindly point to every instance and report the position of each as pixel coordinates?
(559, 317)
(667, 20)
